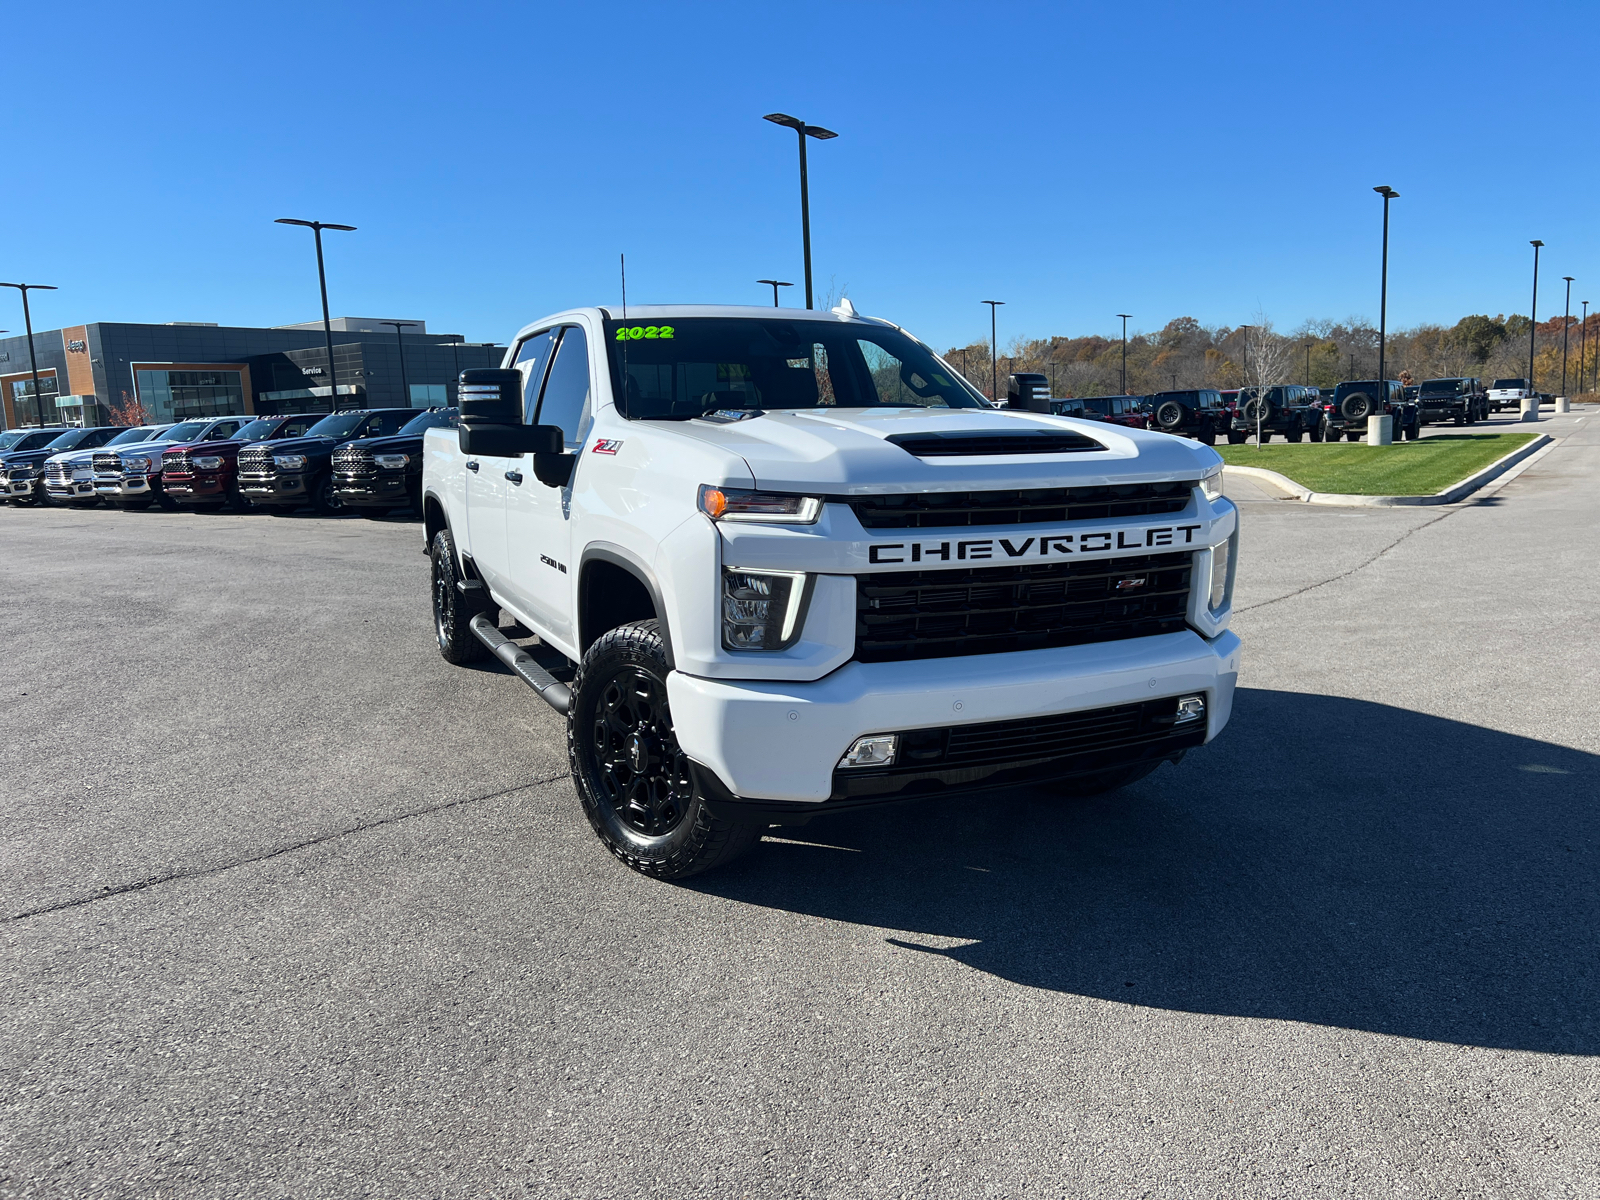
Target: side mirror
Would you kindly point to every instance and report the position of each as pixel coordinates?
(490, 395)
(508, 441)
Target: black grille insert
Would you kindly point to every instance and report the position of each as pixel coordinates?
(904, 615)
(1031, 506)
(951, 443)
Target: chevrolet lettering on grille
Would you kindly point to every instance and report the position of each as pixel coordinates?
(1042, 546)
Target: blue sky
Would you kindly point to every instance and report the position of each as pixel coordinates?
(1075, 161)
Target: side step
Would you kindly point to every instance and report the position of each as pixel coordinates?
(554, 693)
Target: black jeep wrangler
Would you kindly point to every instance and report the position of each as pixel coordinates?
(1356, 400)
(1463, 401)
(1284, 408)
(1198, 413)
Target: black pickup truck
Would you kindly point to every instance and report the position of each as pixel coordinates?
(1285, 408)
(290, 473)
(1197, 412)
(382, 473)
(1461, 400)
(1357, 399)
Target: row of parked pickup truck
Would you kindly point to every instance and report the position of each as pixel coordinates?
(368, 459)
(1293, 411)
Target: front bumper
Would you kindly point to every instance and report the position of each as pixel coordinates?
(376, 491)
(18, 489)
(280, 489)
(128, 485)
(75, 489)
(195, 487)
(782, 741)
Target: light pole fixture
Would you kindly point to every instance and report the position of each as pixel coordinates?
(1388, 194)
(1124, 317)
(776, 284)
(1533, 322)
(804, 131)
(27, 323)
(405, 388)
(316, 228)
(1308, 346)
(994, 352)
(1566, 322)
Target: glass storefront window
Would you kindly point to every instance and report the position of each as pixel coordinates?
(185, 395)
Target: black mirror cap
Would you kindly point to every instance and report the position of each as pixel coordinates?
(490, 395)
(1028, 390)
(553, 470)
(500, 440)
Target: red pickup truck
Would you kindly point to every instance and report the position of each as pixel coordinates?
(206, 473)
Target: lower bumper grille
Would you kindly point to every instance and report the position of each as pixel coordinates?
(991, 610)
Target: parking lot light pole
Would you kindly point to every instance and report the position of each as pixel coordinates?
(316, 228)
(1533, 324)
(804, 131)
(1565, 325)
(1308, 362)
(1388, 194)
(776, 284)
(994, 352)
(405, 388)
(1583, 343)
(1124, 317)
(27, 324)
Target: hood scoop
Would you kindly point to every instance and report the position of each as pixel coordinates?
(962, 444)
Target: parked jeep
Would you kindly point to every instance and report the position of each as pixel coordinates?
(292, 473)
(1463, 401)
(382, 473)
(1284, 408)
(1118, 410)
(1356, 400)
(69, 475)
(206, 473)
(1197, 412)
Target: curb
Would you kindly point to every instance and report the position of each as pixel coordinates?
(1450, 495)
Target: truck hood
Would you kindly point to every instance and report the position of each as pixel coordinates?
(82, 458)
(25, 458)
(393, 444)
(209, 447)
(299, 445)
(848, 451)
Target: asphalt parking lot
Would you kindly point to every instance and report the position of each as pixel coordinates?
(289, 907)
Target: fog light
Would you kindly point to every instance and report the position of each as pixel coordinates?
(1190, 708)
(875, 751)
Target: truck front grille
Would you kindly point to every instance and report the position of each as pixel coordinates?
(904, 615)
(1033, 506)
(256, 464)
(57, 473)
(108, 466)
(354, 463)
(176, 462)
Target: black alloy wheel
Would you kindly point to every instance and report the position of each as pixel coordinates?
(452, 616)
(325, 500)
(1169, 415)
(637, 787)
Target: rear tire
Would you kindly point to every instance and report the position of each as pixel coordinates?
(1263, 437)
(451, 615)
(1352, 437)
(637, 787)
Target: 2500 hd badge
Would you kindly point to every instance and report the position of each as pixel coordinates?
(1050, 545)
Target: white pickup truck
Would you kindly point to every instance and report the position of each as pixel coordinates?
(801, 566)
(1509, 393)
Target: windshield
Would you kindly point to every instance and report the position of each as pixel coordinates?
(139, 433)
(702, 364)
(1511, 383)
(257, 431)
(443, 419)
(69, 439)
(183, 431)
(1440, 387)
(336, 425)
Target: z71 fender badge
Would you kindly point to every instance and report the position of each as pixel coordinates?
(607, 445)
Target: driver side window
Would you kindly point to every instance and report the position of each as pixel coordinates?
(532, 357)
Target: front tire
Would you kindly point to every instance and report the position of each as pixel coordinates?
(451, 615)
(637, 787)
(325, 501)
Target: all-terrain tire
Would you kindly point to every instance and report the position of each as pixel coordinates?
(452, 616)
(325, 501)
(1169, 415)
(1235, 438)
(637, 787)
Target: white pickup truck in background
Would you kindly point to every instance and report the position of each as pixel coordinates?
(1509, 393)
(800, 566)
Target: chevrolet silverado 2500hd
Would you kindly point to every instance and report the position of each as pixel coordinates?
(801, 566)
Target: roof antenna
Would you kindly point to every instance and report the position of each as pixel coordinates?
(624, 260)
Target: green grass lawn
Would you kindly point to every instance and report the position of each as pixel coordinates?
(1418, 468)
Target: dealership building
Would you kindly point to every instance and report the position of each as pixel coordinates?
(191, 369)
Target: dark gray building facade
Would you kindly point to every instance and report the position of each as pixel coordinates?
(170, 372)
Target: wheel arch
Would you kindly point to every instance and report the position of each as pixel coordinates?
(615, 587)
(433, 520)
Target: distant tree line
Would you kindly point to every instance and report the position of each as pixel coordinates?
(1187, 354)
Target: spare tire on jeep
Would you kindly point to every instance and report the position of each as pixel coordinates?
(1169, 415)
(1356, 405)
(1258, 408)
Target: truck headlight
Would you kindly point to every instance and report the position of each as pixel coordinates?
(1220, 555)
(136, 464)
(761, 609)
(208, 462)
(1211, 485)
(737, 504)
(290, 462)
(391, 462)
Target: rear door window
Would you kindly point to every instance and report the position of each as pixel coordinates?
(566, 391)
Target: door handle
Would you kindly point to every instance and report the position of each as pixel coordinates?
(514, 476)
(471, 466)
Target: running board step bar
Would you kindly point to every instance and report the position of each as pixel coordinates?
(553, 692)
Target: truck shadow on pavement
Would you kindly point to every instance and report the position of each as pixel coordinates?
(1327, 860)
